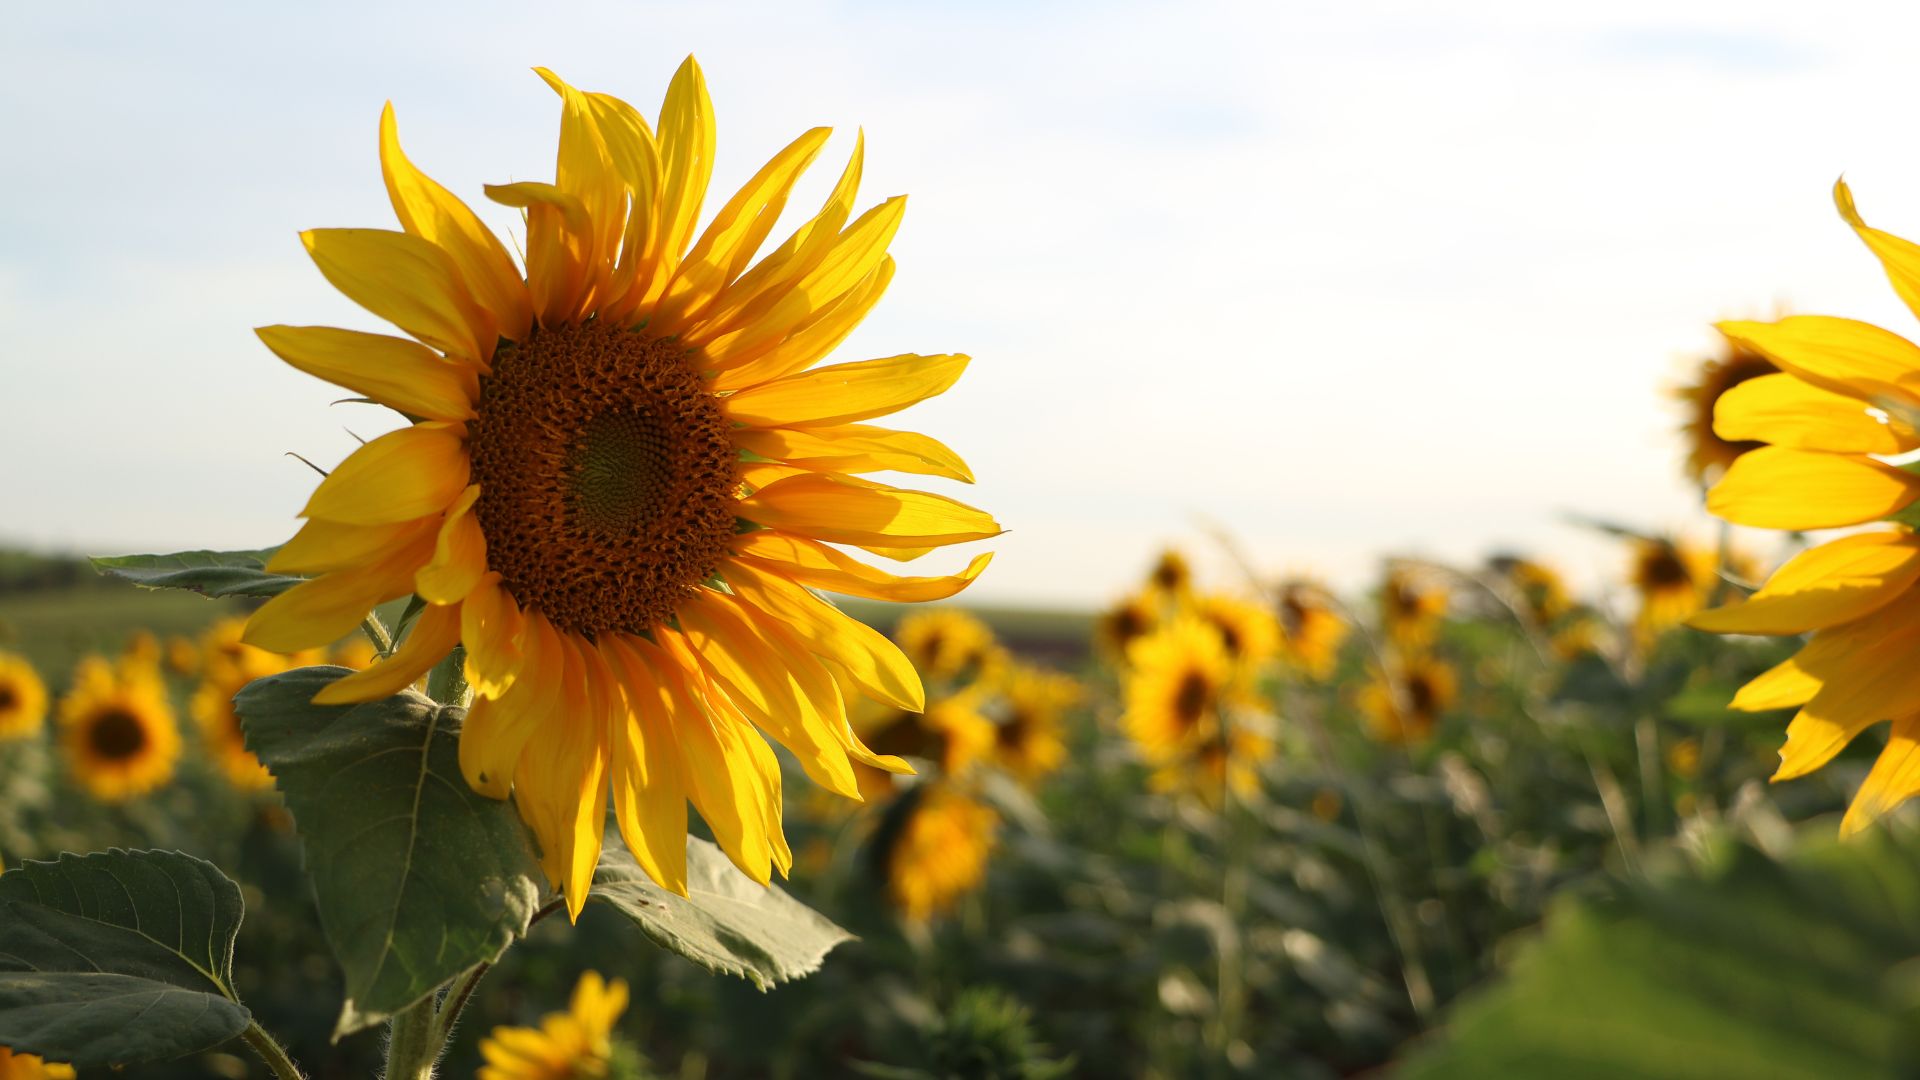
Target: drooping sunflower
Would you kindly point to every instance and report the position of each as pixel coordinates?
(1404, 703)
(1180, 681)
(622, 476)
(1127, 622)
(1412, 604)
(1311, 627)
(935, 851)
(1542, 591)
(572, 1045)
(23, 698)
(1030, 741)
(117, 729)
(1673, 579)
(1248, 630)
(1708, 454)
(1847, 400)
(947, 644)
(31, 1067)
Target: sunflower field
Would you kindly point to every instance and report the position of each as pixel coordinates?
(598, 720)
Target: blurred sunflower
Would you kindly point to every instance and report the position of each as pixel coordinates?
(23, 698)
(31, 1067)
(572, 1045)
(1412, 603)
(1217, 766)
(1847, 398)
(951, 731)
(1127, 622)
(1171, 579)
(142, 649)
(1708, 454)
(1405, 703)
(355, 652)
(1311, 629)
(934, 850)
(1542, 591)
(1030, 741)
(947, 644)
(220, 641)
(117, 730)
(1180, 680)
(622, 482)
(1249, 631)
(1673, 579)
(183, 656)
(212, 708)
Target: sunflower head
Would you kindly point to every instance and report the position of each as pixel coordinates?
(934, 850)
(1412, 603)
(948, 645)
(1709, 454)
(1404, 704)
(1542, 591)
(1673, 579)
(1248, 631)
(1311, 628)
(574, 1045)
(1216, 767)
(220, 734)
(1180, 679)
(117, 730)
(621, 478)
(23, 698)
(951, 731)
(1127, 622)
(1171, 577)
(31, 1067)
(1030, 741)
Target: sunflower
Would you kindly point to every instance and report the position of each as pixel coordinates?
(947, 644)
(1709, 455)
(142, 649)
(212, 709)
(951, 731)
(1311, 629)
(1171, 579)
(1216, 766)
(1542, 591)
(23, 698)
(1412, 603)
(1181, 680)
(1405, 703)
(118, 730)
(1673, 579)
(182, 655)
(1030, 741)
(1847, 398)
(1127, 622)
(1249, 631)
(572, 1045)
(622, 480)
(31, 1067)
(936, 851)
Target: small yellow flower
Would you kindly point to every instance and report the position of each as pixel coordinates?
(142, 649)
(1030, 742)
(1709, 455)
(572, 1045)
(1171, 579)
(1412, 603)
(117, 730)
(30, 1067)
(1405, 703)
(183, 656)
(1180, 681)
(1311, 628)
(1683, 757)
(938, 853)
(1543, 592)
(1248, 630)
(1128, 621)
(212, 709)
(1216, 766)
(951, 732)
(23, 698)
(947, 644)
(1673, 579)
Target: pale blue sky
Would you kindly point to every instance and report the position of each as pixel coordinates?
(1348, 279)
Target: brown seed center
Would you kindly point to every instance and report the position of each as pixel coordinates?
(116, 735)
(1190, 701)
(607, 476)
(8, 699)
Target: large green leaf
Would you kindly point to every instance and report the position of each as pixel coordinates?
(417, 878)
(1757, 969)
(209, 573)
(118, 957)
(726, 923)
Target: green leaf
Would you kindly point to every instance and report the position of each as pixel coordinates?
(416, 876)
(726, 923)
(1761, 968)
(118, 957)
(209, 573)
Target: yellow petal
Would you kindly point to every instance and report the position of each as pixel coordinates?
(1894, 779)
(319, 612)
(1776, 487)
(395, 372)
(559, 247)
(844, 511)
(686, 156)
(434, 635)
(1900, 258)
(649, 791)
(1783, 686)
(584, 168)
(1784, 410)
(561, 782)
(433, 214)
(843, 392)
(855, 448)
(491, 627)
(497, 731)
(323, 546)
(817, 685)
(404, 474)
(875, 664)
(636, 156)
(1874, 680)
(1847, 357)
(723, 786)
(745, 358)
(459, 554)
(1837, 582)
(822, 567)
(408, 282)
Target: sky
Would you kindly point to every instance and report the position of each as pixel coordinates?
(1340, 280)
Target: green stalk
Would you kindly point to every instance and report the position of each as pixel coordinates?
(414, 1042)
(271, 1052)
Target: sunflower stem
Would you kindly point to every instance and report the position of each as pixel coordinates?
(376, 632)
(447, 682)
(414, 1042)
(271, 1052)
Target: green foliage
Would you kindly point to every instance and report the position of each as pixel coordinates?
(726, 923)
(1755, 967)
(209, 573)
(118, 957)
(416, 877)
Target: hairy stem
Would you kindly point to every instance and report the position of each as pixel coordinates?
(413, 1043)
(376, 632)
(271, 1052)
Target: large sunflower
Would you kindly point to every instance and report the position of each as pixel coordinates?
(1847, 400)
(1708, 454)
(622, 478)
(23, 698)
(117, 729)
(572, 1045)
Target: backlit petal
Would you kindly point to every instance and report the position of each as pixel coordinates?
(1837, 582)
(1776, 487)
(1787, 411)
(404, 474)
(408, 282)
(433, 636)
(395, 372)
(459, 554)
(841, 511)
(816, 564)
